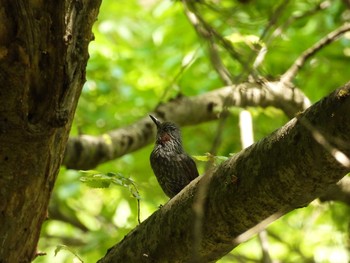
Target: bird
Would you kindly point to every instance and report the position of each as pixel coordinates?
(172, 166)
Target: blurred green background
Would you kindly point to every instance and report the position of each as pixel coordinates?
(137, 61)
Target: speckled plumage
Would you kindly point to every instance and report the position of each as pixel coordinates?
(173, 168)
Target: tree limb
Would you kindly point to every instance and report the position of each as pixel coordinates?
(86, 152)
(300, 61)
(278, 174)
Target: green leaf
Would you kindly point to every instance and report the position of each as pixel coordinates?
(202, 158)
(96, 179)
(63, 247)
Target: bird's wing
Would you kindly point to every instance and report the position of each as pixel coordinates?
(190, 167)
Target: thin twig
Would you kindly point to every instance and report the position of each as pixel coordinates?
(257, 228)
(262, 236)
(259, 56)
(274, 18)
(218, 64)
(204, 34)
(137, 196)
(277, 32)
(319, 7)
(184, 67)
(300, 61)
(207, 32)
(138, 211)
(218, 136)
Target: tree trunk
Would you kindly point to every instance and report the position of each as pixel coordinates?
(216, 212)
(43, 56)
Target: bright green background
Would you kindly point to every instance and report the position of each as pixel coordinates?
(139, 49)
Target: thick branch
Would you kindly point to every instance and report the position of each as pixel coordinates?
(86, 152)
(282, 172)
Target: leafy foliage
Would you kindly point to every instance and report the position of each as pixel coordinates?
(96, 179)
(146, 52)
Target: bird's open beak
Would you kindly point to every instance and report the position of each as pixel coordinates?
(155, 120)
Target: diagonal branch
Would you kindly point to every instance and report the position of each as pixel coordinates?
(267, 36)
(278, 174)
(86, 152)
(299, 63)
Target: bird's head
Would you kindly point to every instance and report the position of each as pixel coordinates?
(167, 133)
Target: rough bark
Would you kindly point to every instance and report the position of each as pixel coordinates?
(86, 152)
(43, 56)
(282, 172)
